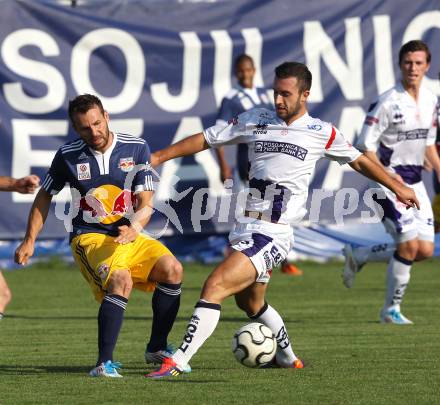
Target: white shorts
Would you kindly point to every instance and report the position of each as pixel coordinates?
(266, 244)
(408, 224)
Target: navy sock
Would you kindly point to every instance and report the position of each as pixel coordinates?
(165, 304)
(110, 317)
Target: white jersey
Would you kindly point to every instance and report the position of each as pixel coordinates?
(399, 129)
(282, 158)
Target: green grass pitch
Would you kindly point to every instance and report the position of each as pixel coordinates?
(48, 343)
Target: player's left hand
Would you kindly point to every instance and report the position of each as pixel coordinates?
(27, 185)
(407, 196)
(127, 234)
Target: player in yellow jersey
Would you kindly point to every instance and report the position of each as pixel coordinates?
(112, 189)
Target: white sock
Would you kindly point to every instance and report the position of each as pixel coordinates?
(376, 253)
(398, 275)
(272, 319)
(201, 326)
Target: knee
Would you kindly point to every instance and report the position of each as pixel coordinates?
(408, 250)
(120, 283)
(424, 252)
(173, 271)
(6, 295)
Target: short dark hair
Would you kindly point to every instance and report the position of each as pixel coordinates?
(82, 104)
(298, 70)
(241, 58)
(413, 46)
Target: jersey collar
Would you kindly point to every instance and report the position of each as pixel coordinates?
(297, 122)
(109, 151)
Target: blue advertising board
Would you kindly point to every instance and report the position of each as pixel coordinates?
(161, 70)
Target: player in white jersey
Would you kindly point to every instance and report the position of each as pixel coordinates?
(399, 130)
(244, 97)
(284, 148)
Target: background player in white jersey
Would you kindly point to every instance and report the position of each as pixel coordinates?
(284, 147)
(243, 97)
(25, 185)
(436, 182)
(399, 130)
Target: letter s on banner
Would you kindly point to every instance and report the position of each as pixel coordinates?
(31, 69)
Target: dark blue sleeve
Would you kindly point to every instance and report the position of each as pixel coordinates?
(226, 111)
(143, 180)
(55, 179)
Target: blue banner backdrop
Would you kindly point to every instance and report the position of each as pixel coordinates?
(162, 68)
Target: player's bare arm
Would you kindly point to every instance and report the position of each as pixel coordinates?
(37, 217)
(375, 172)
(139, 220)
(373, 157)
(188, 146)
(433, 158)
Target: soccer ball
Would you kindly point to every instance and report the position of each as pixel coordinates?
(254, 345)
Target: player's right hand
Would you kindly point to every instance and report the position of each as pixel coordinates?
(24, 252)
(28, 184)
(407, 196)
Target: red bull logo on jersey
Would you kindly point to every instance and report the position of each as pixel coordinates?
(126, 164)
(107, 204)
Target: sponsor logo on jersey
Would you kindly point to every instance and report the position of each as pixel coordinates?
(260, 128)
(398, 118)
(284, 131)
(83, 171)
(281, 147)
(83, 156)
(107, 203)
(315, 127)
(412, 135)
(370, 120)
(126, 164)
